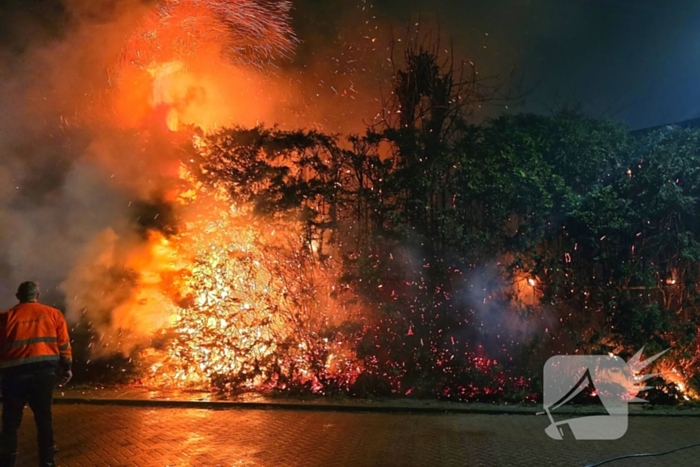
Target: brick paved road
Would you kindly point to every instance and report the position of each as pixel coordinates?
(133, 436)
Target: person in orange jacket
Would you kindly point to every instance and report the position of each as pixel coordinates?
(34, 344)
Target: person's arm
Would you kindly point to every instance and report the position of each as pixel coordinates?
(64, 349)
(3, 334)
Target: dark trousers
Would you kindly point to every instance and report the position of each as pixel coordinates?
(35, 390)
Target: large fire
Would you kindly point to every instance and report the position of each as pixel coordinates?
(249, 298)
(246, 301)
(215, 296)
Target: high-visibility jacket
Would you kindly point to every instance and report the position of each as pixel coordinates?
(33, 337)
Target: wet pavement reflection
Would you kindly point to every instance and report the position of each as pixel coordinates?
(90, 435)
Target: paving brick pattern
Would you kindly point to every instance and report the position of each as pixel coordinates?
(91, 436)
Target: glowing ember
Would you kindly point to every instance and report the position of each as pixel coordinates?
(670, 372)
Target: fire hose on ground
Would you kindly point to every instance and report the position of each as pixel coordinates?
(646, 454)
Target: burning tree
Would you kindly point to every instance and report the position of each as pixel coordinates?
(257, 306)
(217, 293)
(247, 310)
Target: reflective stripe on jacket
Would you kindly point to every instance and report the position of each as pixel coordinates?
(35, 335)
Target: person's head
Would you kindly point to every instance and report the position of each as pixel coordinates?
(28, 292)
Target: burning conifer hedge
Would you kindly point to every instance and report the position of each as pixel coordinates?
(524, 237)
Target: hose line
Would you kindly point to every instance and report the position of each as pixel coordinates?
(646, 454)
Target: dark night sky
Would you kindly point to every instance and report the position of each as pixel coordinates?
(635, 60)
